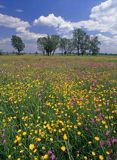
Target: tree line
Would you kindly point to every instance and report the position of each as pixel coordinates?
(80, 44)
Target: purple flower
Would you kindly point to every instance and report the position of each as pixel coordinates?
(50, 152)
(93, 120)
(107, 133)
(102, 143)
(97, 110)
(100, 116)
(114, 140)
(53, 157)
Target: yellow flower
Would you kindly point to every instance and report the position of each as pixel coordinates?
(43, 148)
(18, 138)
(31, 146)
(107, 152)
(93, 153)
(45, 157)
(63, 148)
(79, 133)
(24, 133)
(35, 158)
(38, 139)
(35, 150)
(103, 122)
(101, 157)
(18, 158)
(97, 138)
(21, 151)
(85, 158)
(9, 156)
(89, 142)
(65, 137)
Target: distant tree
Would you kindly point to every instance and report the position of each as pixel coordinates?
(1, 52)
(41, 44)
(63, 45)
(66, 46)
(17, 43)
(94, 45)
(79, 37)
(55, 42)
(84, 47)
(48, 44)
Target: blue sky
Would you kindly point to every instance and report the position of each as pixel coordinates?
(31, 19)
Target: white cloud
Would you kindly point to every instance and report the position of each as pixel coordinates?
(27, 35)
(13, 22)
(19, 10)
(21, 27)
(2, 6)
(109, 44)
(4, 41)
(62, 27)
(103, 18)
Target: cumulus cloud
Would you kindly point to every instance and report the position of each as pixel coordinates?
(103, 18)
(13, 22)
(109, 44)
(21, 27)
(62, 26)
(27, 35)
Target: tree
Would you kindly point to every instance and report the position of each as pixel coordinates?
(17, 43)
(66, 45)
(41, 44)
(63, 45)
(85, 44)
(1, 51)
(48, 44)
(55, 42)
(94, 45)
(79, 40)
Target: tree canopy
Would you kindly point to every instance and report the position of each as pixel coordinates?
(81, 44)
(17, 43)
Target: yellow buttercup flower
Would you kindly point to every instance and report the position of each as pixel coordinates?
(101, 157)
(65, 137)
(63, 148)
(31, 146)
(97, 138)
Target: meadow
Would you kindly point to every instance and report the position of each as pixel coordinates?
(58, 108)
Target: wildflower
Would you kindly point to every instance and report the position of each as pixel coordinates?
(65, 137)
(93, 153)
(9, 156)
(31, 146)
(63, 148)
(79, 133)
(85, 158)
(107, 152)
(45, 157)
(101, 157)
(97, 138)
(24, 133)
(38, 139)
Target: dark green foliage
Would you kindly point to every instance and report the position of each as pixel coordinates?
(48, 44)
(17, 43)
(81, 44)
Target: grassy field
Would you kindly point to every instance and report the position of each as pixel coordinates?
(58, 108)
